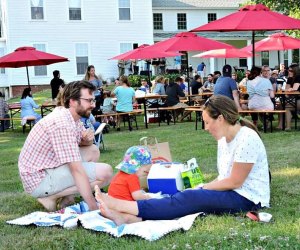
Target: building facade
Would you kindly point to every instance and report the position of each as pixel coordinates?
(90, 32)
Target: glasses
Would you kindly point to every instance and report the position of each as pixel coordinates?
(208, 102)
(290, 70)
(90, 100)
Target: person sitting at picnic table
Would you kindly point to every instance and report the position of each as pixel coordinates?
(125, 98)
(58, 159)
(3, 113)
(158, 88)
(209, 85)
(292, 84)
(242, 184)
(136, 164)
(260, 92)
(28, 105)
(144, 86)
(174, 92)
(226, 86)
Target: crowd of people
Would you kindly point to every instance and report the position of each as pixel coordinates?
(59, 158)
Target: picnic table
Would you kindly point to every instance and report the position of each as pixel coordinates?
(144, 100)
(47, 107)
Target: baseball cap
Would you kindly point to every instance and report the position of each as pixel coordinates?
(227, 70)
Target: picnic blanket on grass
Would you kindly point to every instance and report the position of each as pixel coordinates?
(77, 214)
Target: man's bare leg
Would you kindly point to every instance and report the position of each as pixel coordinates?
(117, 217)
(122, 206)
(50, 202)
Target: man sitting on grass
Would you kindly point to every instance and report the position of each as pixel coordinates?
(58, 158)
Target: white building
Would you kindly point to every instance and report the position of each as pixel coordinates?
(85, 31)
(91, 32)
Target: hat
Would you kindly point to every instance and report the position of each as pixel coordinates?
(134, 158)
(227, 70)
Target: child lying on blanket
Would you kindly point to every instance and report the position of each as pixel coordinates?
(125, 184)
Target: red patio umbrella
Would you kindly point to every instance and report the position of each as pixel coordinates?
(252, 18)
(224, 53)
(141, 53)
(29, 56)
(277, 41)
(187, 41)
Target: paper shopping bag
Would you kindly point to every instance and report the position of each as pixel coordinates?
(160, 151)
(191, 174)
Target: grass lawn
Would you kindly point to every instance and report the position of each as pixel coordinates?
(211, 232)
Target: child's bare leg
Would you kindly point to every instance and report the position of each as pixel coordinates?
(128, 207)
(117, 217)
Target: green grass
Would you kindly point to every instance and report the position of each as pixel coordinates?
(211, 232)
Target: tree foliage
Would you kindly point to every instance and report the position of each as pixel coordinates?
(290, 8)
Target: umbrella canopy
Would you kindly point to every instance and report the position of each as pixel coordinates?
(277, 41)
(29, 56)
(252, 18)
(187, 41)
(141, 53)
(224, 53)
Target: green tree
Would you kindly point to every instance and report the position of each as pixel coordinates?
(290, 8)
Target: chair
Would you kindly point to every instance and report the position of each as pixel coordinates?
(99, 131)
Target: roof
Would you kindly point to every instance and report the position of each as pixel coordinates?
(221, 35)
(197, 3)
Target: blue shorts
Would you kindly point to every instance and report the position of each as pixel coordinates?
(193, 201)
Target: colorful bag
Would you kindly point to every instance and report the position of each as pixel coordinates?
(191, 174)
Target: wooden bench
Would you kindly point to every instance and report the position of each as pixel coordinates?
(29, 121)
(265, 114)
(198, 110)
(127, 116)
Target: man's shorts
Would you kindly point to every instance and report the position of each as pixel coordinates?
(60, 178)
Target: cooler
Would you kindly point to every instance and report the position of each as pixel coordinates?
(165, 177)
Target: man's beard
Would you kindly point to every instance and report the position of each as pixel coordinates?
(84, 113)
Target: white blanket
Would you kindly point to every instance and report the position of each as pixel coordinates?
(70, 216)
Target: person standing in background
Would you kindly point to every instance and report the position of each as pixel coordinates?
(3, 113)
(201, 69)
(55, 83)
(91, 76)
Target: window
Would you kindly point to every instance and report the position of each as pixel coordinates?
(124, 9)
(211, 17)
(157, 21)
(243, 62)
(37, 9)
(40, 70)
(2, 70)
(74, 9)
(181, 21)
(82, 58)
(265, 58)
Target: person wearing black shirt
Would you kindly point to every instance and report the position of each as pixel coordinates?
(196, 85)
(55, 83)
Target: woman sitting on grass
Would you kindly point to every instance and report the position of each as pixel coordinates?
(242, 184)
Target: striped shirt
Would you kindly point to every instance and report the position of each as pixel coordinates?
(52, 142)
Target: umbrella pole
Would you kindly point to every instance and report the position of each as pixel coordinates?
(188, 76)
(27, 76)
(253, 52)
(278, 54)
